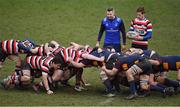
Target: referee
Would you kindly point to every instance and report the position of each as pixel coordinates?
(112, 25)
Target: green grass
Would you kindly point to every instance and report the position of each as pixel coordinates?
(79, 21)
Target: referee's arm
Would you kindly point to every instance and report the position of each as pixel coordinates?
(123, 31)
(100, 34)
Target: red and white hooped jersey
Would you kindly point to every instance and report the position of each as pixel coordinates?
(10, 46)
(69, 52)
(39, 62)
(141, 26)
(41, 51)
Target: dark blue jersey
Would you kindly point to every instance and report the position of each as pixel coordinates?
(170, 62)
(110, 57)
(106, 54)
(91, 63)
(150, 54)
(124, 63)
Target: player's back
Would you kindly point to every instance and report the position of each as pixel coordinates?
(170, 62)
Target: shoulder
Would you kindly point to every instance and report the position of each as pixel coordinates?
(135, 20)
(104, 19)
(118, 19)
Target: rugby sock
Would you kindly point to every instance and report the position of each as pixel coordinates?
(172, 83)
(132, 87)
(156, 88)
(108, 85)
(14, 78)
(137, 86)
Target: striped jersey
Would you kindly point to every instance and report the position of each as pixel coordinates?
(39, 63)
(10, 47)
(142, 27)
(41, 51)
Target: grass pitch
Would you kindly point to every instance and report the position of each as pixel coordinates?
(79, 21)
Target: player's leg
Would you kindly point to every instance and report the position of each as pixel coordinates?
(130, 76)
(161, 86)
(107, 82)
(144, 85)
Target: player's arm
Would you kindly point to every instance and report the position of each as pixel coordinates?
(45, 81)
(75, 64)
(77, 46)
(154, 62)
(34, 50)
(47, 50)
(131, 26)
(110, 72)
(149, 32)
(55, 43)
(92, 57)
(123, 31)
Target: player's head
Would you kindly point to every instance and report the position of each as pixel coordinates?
(110, 13)
(51, 47)
(58, 62)
(140, 12)
(26, 45)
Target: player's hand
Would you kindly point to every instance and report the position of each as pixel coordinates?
(138, 38)
(49, 92)
(74, 44)
(102, 59)
(70, 59)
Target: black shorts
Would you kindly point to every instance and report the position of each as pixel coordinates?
(25, 66)
(143, 67)
(73, 71)
(146, 67)
(2, 55)
(34, 73)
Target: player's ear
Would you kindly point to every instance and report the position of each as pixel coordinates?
(59, 66)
